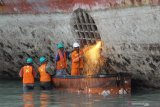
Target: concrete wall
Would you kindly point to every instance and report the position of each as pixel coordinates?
(31, 35)
(131, 36)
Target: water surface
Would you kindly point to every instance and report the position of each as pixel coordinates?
(11, 95)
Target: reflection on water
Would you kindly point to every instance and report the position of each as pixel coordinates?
(44, 99)
(28, 99)
(11, 95)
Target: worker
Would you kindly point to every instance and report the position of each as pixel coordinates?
(28, 74)
(45, 76)
(61, 60)
(77, 60)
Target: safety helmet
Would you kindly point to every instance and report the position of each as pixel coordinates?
(42, 59)
(29, 60)
(60, 45)
(75, 45)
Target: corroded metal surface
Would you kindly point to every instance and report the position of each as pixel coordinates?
(100, 84)
(84, 28)
(50, 6)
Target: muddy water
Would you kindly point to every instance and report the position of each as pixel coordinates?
(11, 95)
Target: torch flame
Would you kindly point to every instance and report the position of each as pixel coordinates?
(92, 57)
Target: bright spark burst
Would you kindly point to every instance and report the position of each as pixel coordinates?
(92, 59)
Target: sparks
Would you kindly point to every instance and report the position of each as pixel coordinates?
(92, 57)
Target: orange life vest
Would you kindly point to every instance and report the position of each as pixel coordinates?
(44, 76)
(77, 62)
(62, 63)
(28, 77)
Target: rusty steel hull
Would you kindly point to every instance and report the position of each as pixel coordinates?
(51, 6)
(112, 84)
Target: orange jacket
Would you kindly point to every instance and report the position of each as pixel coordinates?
(28, 74)
(77, 61)
(44, 76)
(62, 63)
(75, 72)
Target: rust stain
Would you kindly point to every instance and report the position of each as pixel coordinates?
(94, 85)
(50, 6)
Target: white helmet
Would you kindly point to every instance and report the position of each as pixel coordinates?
(75, 45)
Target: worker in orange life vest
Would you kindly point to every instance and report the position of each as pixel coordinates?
(28, 74)
(61, 60)
(77, 60)
(45, 76)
